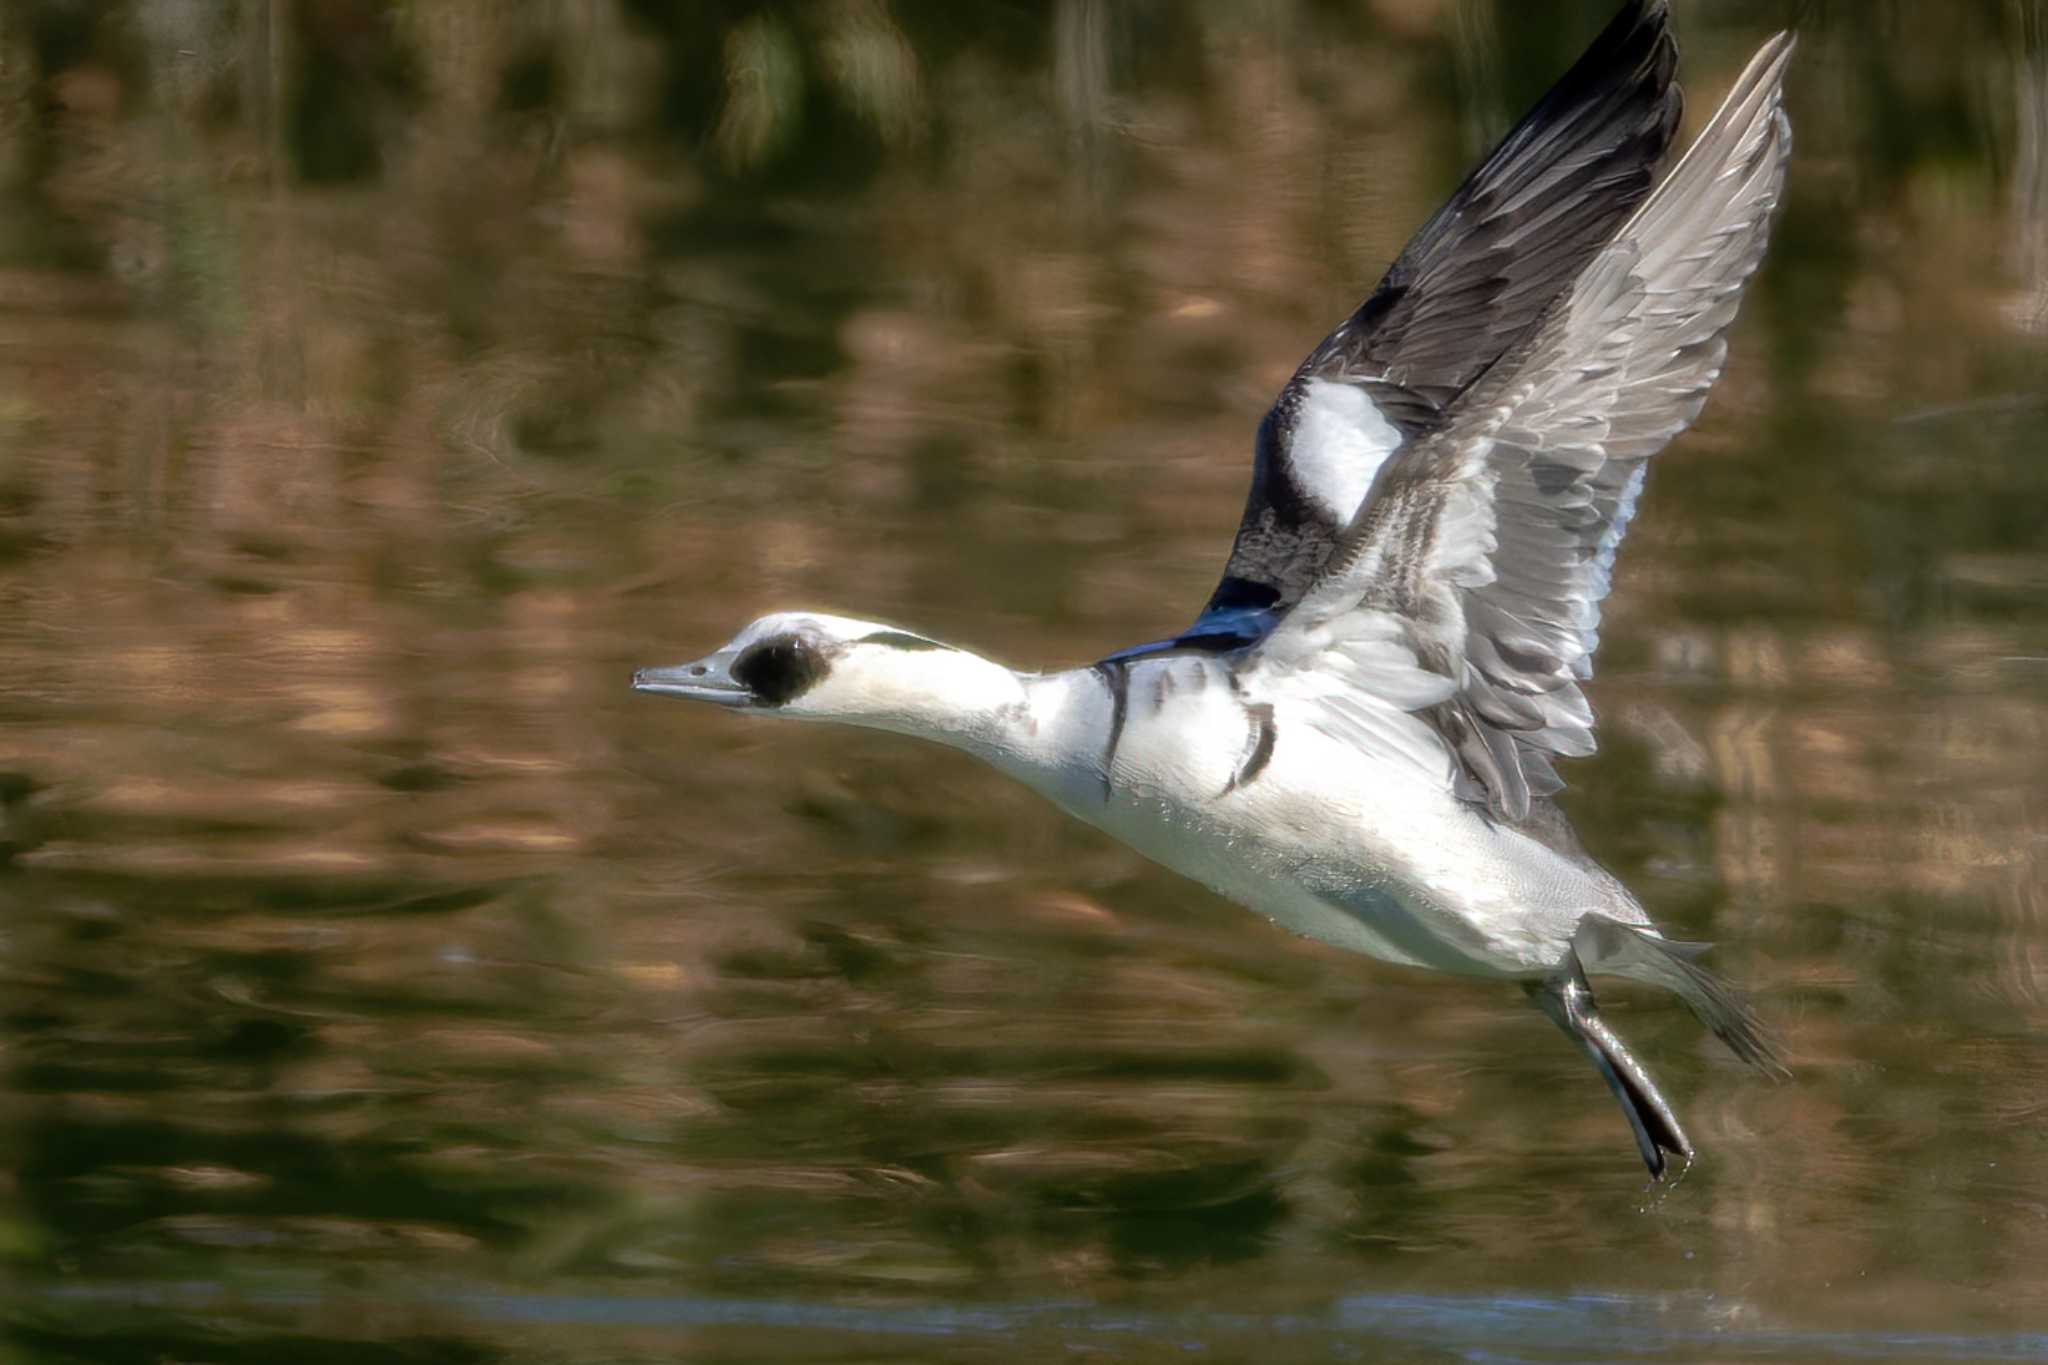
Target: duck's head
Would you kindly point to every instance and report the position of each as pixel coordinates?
(817, 667)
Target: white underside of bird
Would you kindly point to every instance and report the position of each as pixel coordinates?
(1244, 790)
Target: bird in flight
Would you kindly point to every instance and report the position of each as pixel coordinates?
(1355, 738)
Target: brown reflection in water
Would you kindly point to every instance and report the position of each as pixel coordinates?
(377, 387)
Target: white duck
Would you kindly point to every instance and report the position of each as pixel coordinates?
(1355, 737)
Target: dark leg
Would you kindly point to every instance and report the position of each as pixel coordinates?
(1568, 1000)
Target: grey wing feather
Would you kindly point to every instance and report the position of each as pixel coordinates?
(1485, 552)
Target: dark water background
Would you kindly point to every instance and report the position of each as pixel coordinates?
(380, 981)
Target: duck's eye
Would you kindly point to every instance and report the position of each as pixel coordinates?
(779, 670)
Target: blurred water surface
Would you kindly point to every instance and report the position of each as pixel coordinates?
(379, 980)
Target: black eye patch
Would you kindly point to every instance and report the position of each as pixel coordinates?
(781, 669)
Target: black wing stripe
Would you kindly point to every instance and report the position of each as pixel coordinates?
(1264, 735)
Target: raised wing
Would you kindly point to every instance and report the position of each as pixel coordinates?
(1467, 289)
(1468, 587)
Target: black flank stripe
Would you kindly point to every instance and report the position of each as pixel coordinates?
(1117, 679)
(1260, 715)
(1164, 686)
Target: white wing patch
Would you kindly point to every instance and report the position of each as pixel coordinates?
(1340, 440)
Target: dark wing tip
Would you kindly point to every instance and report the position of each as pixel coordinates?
(1480, 273)
(1626, 76)
(1638, 34)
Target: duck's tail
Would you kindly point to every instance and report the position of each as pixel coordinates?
(1608, 946)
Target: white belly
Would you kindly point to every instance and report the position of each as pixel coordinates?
(1375, 856)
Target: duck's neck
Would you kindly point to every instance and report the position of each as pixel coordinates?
(1041, 728)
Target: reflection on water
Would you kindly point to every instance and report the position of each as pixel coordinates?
(1356, 1327)
(378, 979)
